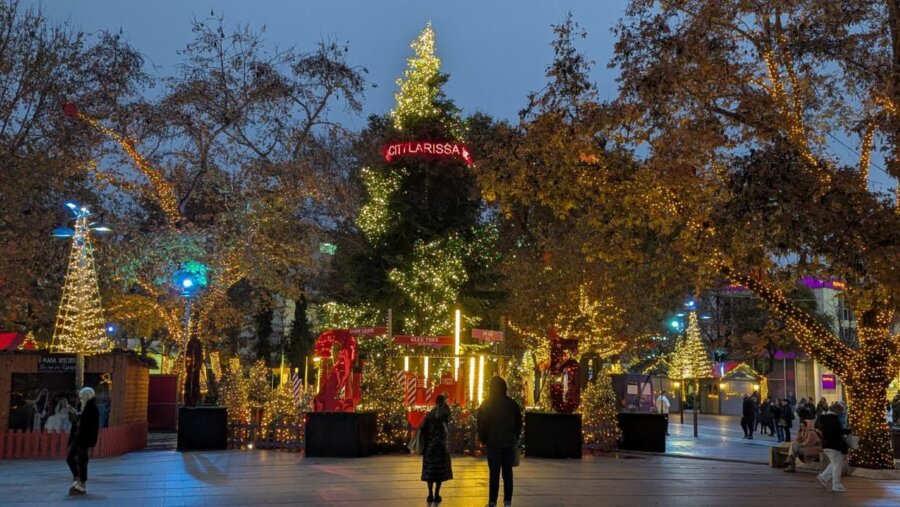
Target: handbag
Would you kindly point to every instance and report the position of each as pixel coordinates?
(852, 441)
(416, 445)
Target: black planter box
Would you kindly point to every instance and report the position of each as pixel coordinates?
(642, 432)
(341, 434)
(202, 428)
(550, 435)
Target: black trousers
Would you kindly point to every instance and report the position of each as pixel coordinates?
(748, 424)
(500, 461)
(77, 459)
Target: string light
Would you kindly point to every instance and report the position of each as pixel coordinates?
(417, 94)
(866, 371)
(480, 378)
(80, 326)
(690, 360)
(164, 192)
(600, 411)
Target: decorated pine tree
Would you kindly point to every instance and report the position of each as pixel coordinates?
(235, 391)
(515, 381)
(600, 414)
(383, 392)
(425, 248)
(80, 325)
(690, 360)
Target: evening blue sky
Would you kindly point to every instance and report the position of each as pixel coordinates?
(495, 51)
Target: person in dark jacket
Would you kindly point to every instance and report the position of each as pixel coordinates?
(821, 408)
(834, 447)
(785, 421)
(81, 439)
(499, 427)
(802, 412)
(436, 468)
(748, 419)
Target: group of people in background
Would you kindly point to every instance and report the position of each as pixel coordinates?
(823, 430)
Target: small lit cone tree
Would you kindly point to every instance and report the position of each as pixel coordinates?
(235, 392)
(690, 360)
(80, 326)
(515, 380)
(600, 413)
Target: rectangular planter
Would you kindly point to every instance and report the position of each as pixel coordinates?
(202, 428)
(642, 432)
(550, 435)
(341, 434)
(895, 440)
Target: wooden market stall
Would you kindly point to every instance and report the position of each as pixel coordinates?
(34, 386)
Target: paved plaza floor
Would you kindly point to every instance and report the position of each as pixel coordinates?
(169, 478)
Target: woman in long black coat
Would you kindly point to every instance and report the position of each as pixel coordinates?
(436, 450)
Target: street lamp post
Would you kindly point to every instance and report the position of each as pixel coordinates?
(189, 280)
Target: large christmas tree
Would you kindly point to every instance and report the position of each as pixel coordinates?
(422, 246)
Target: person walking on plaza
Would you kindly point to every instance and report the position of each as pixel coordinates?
(499, 426)
(834, 447)
(807, 447)
(81, 439)
(436, 466)
(662, 407)
(748, 419)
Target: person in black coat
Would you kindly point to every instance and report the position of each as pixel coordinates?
(833, 446)
(499, 427)
(748, 421)
(786, 419)
(81, 439)
(436, 468)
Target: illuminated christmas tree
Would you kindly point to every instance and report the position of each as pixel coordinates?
(690, 359)
(80, 326)
(515, 381)
(600, 414)
(382, 392)
(425, 248)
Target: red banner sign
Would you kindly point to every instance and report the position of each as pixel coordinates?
(367, 331)
(424, 341)
(444, 149)
(485, 335)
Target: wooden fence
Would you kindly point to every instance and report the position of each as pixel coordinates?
(275, 436)
(18, 444)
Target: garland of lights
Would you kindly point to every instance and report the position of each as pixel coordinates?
(79, 323)
(866, 371)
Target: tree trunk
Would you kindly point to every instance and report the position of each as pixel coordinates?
(867, 398)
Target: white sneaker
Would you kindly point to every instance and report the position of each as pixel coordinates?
(822, 481)
(839, 488)
(79, 487)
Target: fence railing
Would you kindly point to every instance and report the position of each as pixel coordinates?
(112, 441)
(275, 436)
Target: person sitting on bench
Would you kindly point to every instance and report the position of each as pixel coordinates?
(807, 446)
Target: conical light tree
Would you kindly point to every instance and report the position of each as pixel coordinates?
(79, 324)
(691, 359)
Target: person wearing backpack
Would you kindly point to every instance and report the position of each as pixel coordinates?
(436, 466)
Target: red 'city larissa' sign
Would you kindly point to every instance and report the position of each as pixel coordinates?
(444, 149)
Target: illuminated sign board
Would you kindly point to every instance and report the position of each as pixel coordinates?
(425, 341)
(487, 336)
(828, 381)
(440, 149)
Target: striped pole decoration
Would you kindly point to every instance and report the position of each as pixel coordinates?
(295, 387)
(411, 381)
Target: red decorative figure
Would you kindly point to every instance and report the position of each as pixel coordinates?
(566, 395)
(339, 391)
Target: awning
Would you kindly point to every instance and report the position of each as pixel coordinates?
(12, 341)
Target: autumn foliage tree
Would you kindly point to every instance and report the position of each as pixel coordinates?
(236, 165)
(749, 96)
